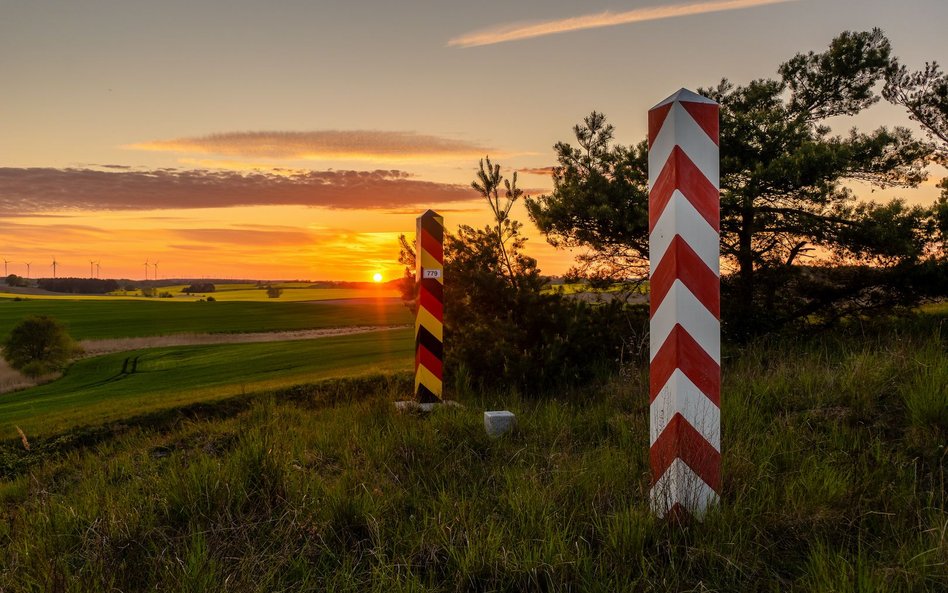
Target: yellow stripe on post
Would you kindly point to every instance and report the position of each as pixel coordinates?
(428, 262)
(425, 377)
(425, 319)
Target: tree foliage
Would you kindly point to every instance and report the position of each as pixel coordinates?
(199, 287)
(925, 95)
(16, 281)
(38, 345)
(78, 285)
(600, 201)
(785, 201)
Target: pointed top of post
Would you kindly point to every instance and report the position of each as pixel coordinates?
(703, 110)
(430, 214)
(684, 96)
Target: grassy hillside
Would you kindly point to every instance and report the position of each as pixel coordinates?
(834, 480)
(115, 386)
(92, 318)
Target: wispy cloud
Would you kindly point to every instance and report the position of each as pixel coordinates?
(542, 171)
(365, 145)
(272, 238)
(522, 30)
(38, 190)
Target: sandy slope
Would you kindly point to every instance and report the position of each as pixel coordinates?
(11, 380)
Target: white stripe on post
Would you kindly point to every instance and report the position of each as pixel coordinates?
(685, 327)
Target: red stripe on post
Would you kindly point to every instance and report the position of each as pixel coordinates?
(430, 303)
(430, 361)
(706, 116)
(680, 440)
(432, 246)
(656, 117)
(681, 351)
(682, 174)
(680, 262)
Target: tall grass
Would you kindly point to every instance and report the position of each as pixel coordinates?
(834, 480)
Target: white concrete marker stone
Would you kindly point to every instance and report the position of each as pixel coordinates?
(499, 423)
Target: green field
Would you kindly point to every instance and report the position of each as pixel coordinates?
(292, 292)
(96, 390)
(97, 318)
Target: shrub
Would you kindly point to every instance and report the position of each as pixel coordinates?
(14, 280)
(38, 345)
(500, 329)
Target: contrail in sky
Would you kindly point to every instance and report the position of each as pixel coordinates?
(517, 31)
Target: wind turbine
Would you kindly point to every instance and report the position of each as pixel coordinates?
(28, 270)
(146, 269)
(5, 263)
(156, 269)
(96, 269)
(54, 267)
(91, 265)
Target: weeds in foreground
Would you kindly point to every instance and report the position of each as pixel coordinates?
(834, 480)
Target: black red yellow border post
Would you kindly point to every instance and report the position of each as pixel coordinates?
(429, 321)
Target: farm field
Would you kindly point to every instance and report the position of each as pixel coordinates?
(292, 292)
(94, 318)
(115, 386)
(833, 480)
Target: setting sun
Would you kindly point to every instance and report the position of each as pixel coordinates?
(377, 277)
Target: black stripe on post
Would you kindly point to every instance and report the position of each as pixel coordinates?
(430, 224)
(425, 396)
(434, 288)
(430, 342)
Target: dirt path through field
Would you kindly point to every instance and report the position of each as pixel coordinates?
(11, 380)
(99, 347)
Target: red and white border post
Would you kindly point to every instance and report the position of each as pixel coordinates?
(685, 303)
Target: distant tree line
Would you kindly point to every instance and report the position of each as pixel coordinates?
(78, 285)
(201, 287)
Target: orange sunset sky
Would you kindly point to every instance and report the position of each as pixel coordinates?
(282, 140)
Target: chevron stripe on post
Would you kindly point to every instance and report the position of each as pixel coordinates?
(429, 328)
(685, 303)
